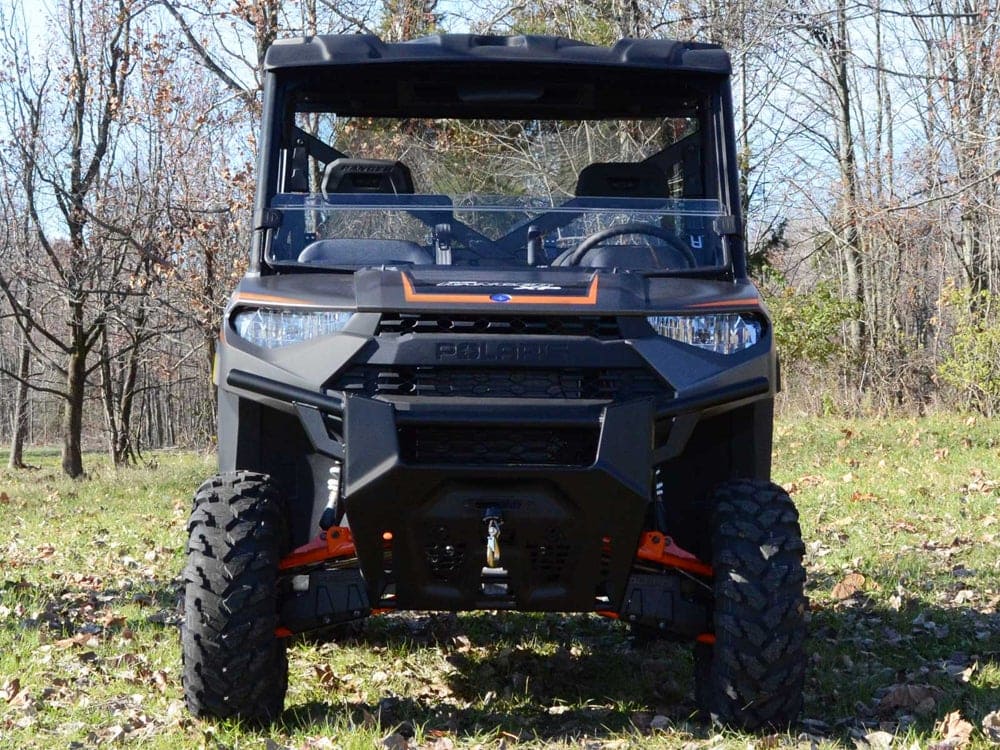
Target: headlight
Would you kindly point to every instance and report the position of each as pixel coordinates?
(271, 328)
(725, 333)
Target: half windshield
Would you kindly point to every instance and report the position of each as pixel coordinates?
(363, 192)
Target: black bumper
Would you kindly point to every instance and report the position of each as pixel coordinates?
(573, 498)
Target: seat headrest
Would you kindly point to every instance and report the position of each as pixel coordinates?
(622, 180)
(367, 176)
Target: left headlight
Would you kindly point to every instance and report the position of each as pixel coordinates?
(271, 327)
(725, 333)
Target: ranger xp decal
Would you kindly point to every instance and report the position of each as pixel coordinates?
(521, 286)
(590, 298)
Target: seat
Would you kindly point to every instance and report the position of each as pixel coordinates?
(367, 176)
(360, 252)
(622, 180)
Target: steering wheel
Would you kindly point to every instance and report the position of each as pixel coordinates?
(574, 256)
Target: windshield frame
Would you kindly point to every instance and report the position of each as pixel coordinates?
(281, 88)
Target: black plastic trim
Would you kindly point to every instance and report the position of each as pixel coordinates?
(285, 392)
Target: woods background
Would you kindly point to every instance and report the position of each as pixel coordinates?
(869, 153)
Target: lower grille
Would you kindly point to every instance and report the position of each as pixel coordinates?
(598, 383)
(445, 559)
(548, 560)
(480, 446)
(595, 326)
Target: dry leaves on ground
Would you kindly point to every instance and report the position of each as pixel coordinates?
(920, 699)
(851, 584)
(955, 731)
(991, 727)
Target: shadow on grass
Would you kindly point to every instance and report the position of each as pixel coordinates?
(520, 675)
(861, 652)
(82, 604)
(563, 677)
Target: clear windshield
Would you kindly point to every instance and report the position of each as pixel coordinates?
(359, 192)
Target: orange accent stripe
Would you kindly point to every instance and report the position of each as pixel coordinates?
(608, 613)
(272, 300)
(410, 295)
(282, 632)
(706, 638)
(742, 302)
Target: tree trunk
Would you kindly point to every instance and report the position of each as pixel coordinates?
(16, 460)
(72, 451)
(849, 233)
(124, 449)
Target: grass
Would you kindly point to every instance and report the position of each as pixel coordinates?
(901, 519)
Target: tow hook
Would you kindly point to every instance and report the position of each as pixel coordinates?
(493, 521)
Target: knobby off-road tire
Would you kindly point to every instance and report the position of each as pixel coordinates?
(234, 666)
(752, 676)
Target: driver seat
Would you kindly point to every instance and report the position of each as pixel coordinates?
(622, 180)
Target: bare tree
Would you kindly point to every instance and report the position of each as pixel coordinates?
(65, 112)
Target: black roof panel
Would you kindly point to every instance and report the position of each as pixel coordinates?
(358, 49)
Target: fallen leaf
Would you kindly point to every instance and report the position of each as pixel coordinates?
(641, 720)
(851, 584)
(659, 722)
(863, 497)
(877, 740)
(111, 620)
(80, 639)
(991, 727)
(955, 730)
(4, 499)
(327, 677)
(810, 480)
(161, 681)
(920, 699)
(394, 741)
(12, 688)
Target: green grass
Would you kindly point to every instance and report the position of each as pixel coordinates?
(89, 610)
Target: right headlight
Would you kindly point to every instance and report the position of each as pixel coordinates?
(272, 327)
(723, 333)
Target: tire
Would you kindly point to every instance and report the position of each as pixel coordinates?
(752, 676)
(233, 665)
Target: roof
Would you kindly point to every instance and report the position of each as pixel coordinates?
(357, 49)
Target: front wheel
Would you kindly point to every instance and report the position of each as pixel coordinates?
(752, 675)
(234, 666)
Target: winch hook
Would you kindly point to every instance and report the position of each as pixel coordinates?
(493, 521)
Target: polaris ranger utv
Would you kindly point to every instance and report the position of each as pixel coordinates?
(496, 349)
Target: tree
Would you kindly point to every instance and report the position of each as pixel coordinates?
(65, 110)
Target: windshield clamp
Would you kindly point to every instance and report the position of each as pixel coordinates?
(728, 225)
(267, 218)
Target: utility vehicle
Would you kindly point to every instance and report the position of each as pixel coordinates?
(496, 350)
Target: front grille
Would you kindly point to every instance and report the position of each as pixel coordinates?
(595, 326)
(597, 383)
(483, 446)
(548, 560)
(445, 559)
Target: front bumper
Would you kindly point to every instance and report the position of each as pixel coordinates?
(570, 528)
